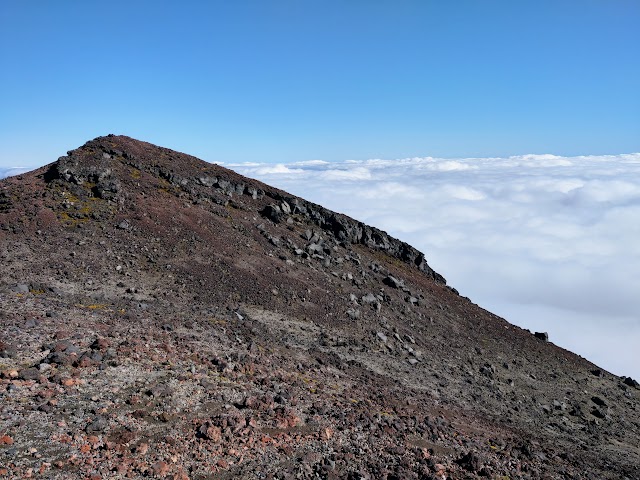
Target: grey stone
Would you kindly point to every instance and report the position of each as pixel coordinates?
(488, 370)
(274, 241)
(253, 192)
(412, 300)
(59, 358)
(299, 209)
(208, 181)
(72, 349)
(44, 367)
(96, 356)
(314, 248)
(353, 313)
(369, 298)
(30, 374)
(7, 350)
(542, 336)
(98, 425)
(393, 282)
(557, 405)
(272, 212)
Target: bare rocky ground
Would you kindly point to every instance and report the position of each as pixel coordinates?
(161, 317)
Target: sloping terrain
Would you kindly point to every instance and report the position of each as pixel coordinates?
(163, 317)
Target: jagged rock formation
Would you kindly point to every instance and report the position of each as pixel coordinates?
(164, 317)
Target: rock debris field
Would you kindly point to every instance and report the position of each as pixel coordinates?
(162, 317)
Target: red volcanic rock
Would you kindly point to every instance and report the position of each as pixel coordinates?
(160, 469)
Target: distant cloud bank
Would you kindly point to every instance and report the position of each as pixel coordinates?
(9, 172)
(551, 243)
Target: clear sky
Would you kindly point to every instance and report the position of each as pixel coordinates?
(285, 80)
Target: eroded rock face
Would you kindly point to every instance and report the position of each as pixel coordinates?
(161, 316)
(348, 230)
(96, 173)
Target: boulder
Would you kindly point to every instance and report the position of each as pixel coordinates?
(208, 181)
(272, 212)
(369, 298)
(393, 282)
(21, 288)
(598, 401)
(353, 313)
(470, 462)
(542, 336)
(29, 374)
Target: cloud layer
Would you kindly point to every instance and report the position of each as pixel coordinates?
(10, 171)
(551, 243)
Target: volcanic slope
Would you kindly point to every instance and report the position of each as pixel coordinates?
(165, 317)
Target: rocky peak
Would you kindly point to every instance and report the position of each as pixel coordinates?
(112, 167)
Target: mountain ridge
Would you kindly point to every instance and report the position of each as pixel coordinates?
(142, 241)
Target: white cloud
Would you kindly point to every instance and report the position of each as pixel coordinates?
(448, 166)
(311, 163)
(277, 169)
(549, 242)
(349, 174)
(10, 171)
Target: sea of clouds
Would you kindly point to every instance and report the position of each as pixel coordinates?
(550, 243)
(10, 171)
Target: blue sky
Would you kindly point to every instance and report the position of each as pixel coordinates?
(283, 81)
